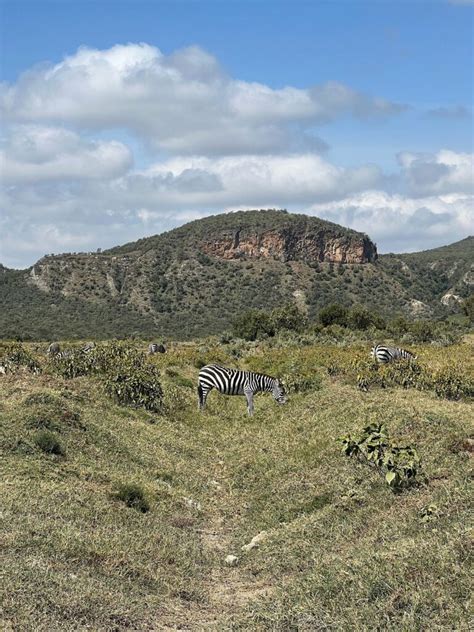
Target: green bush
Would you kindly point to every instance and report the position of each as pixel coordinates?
(468, 307)
(400, 465)
(253, 324)
(15, 356)
(450, 383)
(49, 443)
(288, 317)
(138, 387)
(362, 318)
(133, 496)
(333, 314)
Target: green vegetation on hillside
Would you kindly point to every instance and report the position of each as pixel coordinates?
(115, 517)
(167, 285)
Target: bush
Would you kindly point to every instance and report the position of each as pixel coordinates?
(288, 317)
(333, 314)
(422, 331)
(15, 356)
(253, 324)
(468, 307)
(399, 464)
(133, 496)
(49, 443)
(362, 318)
(450, 383)
(138, 387)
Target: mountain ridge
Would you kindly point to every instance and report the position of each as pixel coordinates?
(194, 280)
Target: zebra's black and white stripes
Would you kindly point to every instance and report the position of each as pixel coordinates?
(156, 348)
(235, 382)
(384, 355)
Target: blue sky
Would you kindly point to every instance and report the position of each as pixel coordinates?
(373, 98)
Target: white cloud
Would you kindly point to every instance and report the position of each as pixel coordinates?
(222, 144)
(444, 172)
(182, 103)
(36, 153)
(402, 224)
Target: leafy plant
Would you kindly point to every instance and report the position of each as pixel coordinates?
(400, 465)
(16, 356)
(138, 387)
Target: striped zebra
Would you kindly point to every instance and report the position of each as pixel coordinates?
(54, 348)
(62, 355)
(235, 382)
(156, 348)
(384, 355)
(88, 347)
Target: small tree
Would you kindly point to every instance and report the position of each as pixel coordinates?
(333, 314)
(253, 324)
(289, 317)
(468, 307)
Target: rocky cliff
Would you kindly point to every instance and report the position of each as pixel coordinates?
(292, 244)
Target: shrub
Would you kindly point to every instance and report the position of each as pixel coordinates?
(468, 307)
(399, 464)
(253, 324)
(333, 314)
(422, 331)
(133, 496)
(15, 356)
(73, 365)
(138, 387)
(49, 443)
(39, 398)
(362, 318)
(288, 317)
(450, 383)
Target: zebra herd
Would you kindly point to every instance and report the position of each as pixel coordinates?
(235, 382)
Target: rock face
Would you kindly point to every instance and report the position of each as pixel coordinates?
(291, 244)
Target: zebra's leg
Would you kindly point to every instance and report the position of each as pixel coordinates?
(202, 394)
(249, 396)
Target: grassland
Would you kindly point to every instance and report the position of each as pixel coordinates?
(339, 551)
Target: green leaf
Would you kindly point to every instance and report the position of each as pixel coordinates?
(390, 477)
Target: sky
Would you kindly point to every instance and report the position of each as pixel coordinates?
(124, 119)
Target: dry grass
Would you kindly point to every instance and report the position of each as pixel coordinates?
(342, 551)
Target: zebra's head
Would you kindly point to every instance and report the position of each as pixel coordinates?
(278, 392)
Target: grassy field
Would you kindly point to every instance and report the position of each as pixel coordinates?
(338, 549)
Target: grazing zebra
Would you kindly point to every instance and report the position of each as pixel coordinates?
(384, 354)
(235, 382)
(156, 348)
(62, 355)
(53, 348)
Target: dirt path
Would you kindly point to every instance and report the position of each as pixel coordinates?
(229, 588)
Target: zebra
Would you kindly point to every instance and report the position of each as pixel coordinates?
(156, 348)
(384, 355)
(88, 347)
(54, 348)
(235, 382)
(62, 355)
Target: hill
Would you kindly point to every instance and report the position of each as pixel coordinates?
(194, 280)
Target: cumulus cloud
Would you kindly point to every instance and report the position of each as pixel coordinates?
(402, 224)
(182, 103)
(440, 173)
(35, 153)
(217, 144)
